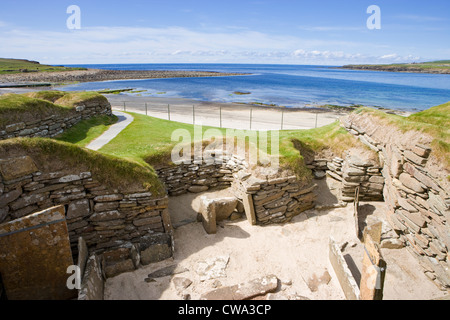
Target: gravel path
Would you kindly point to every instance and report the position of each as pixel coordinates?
(124, 120)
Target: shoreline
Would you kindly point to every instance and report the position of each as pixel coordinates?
(98, 75)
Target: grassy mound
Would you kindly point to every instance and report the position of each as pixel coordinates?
(15, 108)
(67, 99)
(114, 172)
(27, 107)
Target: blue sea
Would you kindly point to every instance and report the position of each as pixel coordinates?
(287, 85)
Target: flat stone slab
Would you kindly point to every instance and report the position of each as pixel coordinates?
(35, 254)
(244, 291)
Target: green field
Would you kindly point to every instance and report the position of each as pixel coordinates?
(440, 67)
(12, 66)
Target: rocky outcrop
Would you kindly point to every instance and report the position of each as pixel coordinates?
(416, 192)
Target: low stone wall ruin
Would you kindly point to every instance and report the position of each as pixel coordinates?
(54, 125)
(111, 222)
(416, 192)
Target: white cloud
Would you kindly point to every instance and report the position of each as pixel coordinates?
(175, 44)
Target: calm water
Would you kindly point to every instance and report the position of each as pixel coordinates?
(288, 85)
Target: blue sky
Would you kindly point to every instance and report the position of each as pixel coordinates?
(260, 31)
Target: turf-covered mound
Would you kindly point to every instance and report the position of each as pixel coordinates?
(50, 156)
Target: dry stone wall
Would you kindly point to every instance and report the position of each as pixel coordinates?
(106, 219)
(416, 192)
(276, 200)
(54, 125)
(202, 175)
(352, 172)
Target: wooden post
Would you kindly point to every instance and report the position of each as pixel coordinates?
(146, 109)
(193, 114)
(282, 119)
(317, 116)
(373, 271)
(168, 110)
(251, 117)
(221, 116)
(124, 106)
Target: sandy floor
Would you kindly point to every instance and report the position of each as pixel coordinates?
(296, 253)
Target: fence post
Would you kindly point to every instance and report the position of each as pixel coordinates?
(124, 106)
(146, 109)
(221, 116)
(317, 116)
(193, 114)
(251, 117)
(282, 118)
(168, 110)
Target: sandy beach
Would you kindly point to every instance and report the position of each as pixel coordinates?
(225, 115)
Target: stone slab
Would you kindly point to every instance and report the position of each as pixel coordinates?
(14, 168)
(92, 285)
(249, 208)
(342, 271)
(244, 291)
(373, 271)
(35, 254)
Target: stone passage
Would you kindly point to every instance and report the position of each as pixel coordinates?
(416, 191)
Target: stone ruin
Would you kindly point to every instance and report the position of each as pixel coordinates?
(108, 232)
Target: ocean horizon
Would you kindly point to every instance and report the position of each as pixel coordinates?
(291, 86)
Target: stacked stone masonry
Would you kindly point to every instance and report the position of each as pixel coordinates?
(52, 126)
(105, 218)
(352, 172)
(274, 200)
(201, 176)
(417, 196)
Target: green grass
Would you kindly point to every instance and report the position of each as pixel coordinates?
(67, 99)
(56, 155)
(12, 66)
(149, 140)
(442, 66)
(88, 130)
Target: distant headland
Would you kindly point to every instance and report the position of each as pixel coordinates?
(25, 71)
(436, 67)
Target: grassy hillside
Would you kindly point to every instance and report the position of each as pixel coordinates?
(11, 66)
(439, 67)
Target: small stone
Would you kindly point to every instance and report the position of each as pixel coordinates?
(198, 189)
(181, 283)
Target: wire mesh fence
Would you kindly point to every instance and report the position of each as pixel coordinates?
(243, 117)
